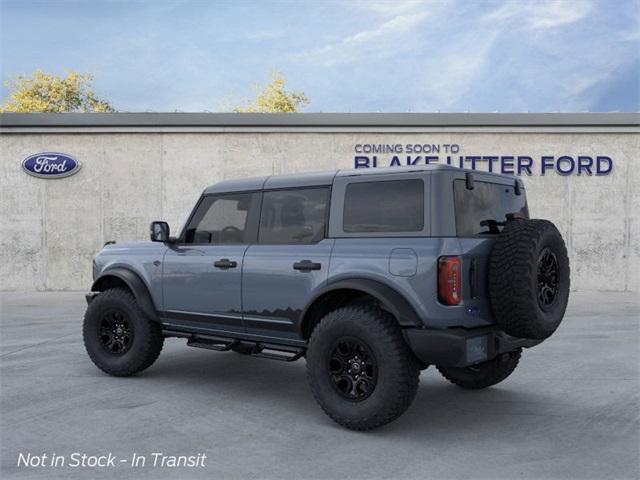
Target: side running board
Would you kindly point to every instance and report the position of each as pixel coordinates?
(271, 351)
(211, 343)
(278, 352)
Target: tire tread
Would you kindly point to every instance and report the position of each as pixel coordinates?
(406, 367)
(149, 331)
(512, 272)
(489, 374)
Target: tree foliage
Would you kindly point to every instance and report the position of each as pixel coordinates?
(274, 98)
(43, 92)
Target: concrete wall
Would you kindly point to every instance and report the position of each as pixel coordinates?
(51, 228)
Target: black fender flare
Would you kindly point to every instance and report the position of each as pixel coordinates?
(135, 284)
(393, 301)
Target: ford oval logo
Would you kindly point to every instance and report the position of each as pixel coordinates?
(50, 165)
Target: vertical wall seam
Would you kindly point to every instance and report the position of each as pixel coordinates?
(162, 192)
(626, 245)
(103, 162)
(569, 197)
(45, 240)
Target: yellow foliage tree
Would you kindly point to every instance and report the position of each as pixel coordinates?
(42, 92)
(275, 99)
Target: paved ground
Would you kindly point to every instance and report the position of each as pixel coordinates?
(571, 410)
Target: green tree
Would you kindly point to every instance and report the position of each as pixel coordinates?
(42, 92)
(274, 98)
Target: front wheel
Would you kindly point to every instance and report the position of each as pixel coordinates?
(484, 374)
(360, 370)
(119, 338)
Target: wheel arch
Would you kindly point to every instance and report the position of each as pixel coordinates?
(123, 277)
(345, 291)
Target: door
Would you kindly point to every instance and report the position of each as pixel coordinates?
(290, 260)
(202, 272)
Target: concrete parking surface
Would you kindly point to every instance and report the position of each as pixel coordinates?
(570, 410)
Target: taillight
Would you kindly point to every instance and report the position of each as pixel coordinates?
(449, 280)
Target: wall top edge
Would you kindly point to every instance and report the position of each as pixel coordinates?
(615, 130)
(310, 120)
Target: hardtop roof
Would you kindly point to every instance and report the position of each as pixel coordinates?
(325, 178)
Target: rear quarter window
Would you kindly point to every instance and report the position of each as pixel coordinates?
(486, 202)
(293, 216)
(384, 206)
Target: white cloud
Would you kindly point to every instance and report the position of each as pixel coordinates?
(583, 82)
(555, 13)
(566, 68)
(390, 7)
(453, 72)
(384, 40)
(631, 36)
(537, 15)
(506, 11)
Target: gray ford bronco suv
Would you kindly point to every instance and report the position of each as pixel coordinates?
(371, 275)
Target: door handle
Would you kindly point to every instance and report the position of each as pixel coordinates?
(306, 265)
(225, 263)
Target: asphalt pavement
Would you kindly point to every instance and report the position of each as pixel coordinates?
(570, 410)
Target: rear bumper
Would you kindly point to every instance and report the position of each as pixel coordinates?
(459, 347)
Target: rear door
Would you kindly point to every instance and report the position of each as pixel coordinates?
(480, 213)
(202, 272)
(290, 259)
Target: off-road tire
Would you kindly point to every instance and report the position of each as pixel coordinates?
(514, 278)
(484, 374)
(398, 371)
(146, 343)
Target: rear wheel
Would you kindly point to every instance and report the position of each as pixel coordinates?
(360, 370)
(118, 337)
(484, 374)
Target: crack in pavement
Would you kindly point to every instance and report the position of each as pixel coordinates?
(36, 345)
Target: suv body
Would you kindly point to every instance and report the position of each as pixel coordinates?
(261, 261)
(254, 285)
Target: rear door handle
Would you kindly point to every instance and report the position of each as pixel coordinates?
(306, 265)
(225, 263)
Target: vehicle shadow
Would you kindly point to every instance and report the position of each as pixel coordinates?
(438, 404)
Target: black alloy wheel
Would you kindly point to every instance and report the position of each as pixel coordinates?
(116, 332)
(353, 369)
(547, 278)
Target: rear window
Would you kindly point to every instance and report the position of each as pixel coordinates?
(486, 202)
(384, 206)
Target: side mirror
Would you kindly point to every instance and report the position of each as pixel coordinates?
(159, 232)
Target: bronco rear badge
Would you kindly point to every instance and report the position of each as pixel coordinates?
(50, 165)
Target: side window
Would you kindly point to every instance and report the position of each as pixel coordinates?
(485, 203)
(384, 206)
(221, 219)
(293, 216)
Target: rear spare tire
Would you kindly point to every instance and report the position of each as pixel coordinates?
(529, 278)
(483, 375)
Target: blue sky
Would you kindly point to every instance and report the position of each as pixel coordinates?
(358, 56)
